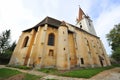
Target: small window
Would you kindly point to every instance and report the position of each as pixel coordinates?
(51, 53)
(80, 26)
(51, 38)
(87, 43)
(25, 41)
(82, 61)
(64, 48)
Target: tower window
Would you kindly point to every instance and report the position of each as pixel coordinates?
(82, 61)
(51, 53)
(80, 26)
(51, 38)
(25, 41)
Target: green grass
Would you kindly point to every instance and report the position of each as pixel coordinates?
(19, 67)
(5, 73)
(51, 79)
(80, 73)
(85, 73)
(31, 77)
(48, 70)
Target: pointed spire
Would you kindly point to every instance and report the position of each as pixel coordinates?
(80, 14)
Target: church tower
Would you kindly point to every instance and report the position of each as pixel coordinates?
(84, 22)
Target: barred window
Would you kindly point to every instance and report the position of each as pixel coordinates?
(51, 39)
(25, 41)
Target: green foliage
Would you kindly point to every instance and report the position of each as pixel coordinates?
(114, 37)
(20, 67)
(23, 67)
(48, 70)
(4, 41)
(116, 54)
(12, 46)
(6, 55)
(114, 41)
(5, 73)
(51, 79)
(6, 48)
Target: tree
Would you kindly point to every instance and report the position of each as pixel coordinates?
(4, 41)
(12, 46)
(114, 41)
(6, 48)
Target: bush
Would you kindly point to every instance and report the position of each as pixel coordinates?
(116, 65)
(48, 70)
(5, 57)
(20, 67)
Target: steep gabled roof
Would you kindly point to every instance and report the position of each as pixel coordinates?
(80, 15)
(48, 20)
(54, 23)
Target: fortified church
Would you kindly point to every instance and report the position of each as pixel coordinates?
(57, 44)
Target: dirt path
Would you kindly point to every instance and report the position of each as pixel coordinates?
(112, 74)
(16, 77)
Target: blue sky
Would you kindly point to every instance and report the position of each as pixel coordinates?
(19, 15)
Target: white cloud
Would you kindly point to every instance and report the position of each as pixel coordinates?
(86, 5)
(18, 15)
(109, 16)
(107, 20)
(12, 14)
(105, 14)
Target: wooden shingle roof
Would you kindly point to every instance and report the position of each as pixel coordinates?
(54, 23)
(48, 20)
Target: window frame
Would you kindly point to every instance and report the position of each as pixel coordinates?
(51, 39)
(25, 42)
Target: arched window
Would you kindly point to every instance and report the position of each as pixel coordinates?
(51, 39)
(25, 41)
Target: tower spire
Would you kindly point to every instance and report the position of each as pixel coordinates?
(80, 14)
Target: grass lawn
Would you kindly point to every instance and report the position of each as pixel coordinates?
(49, 70)
(85, 73)
(80, 73)
(31, 77)
(6, 73)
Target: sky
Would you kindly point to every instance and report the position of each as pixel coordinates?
(18, 15)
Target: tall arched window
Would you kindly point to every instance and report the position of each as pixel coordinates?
(51, 39)
(25, 41)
